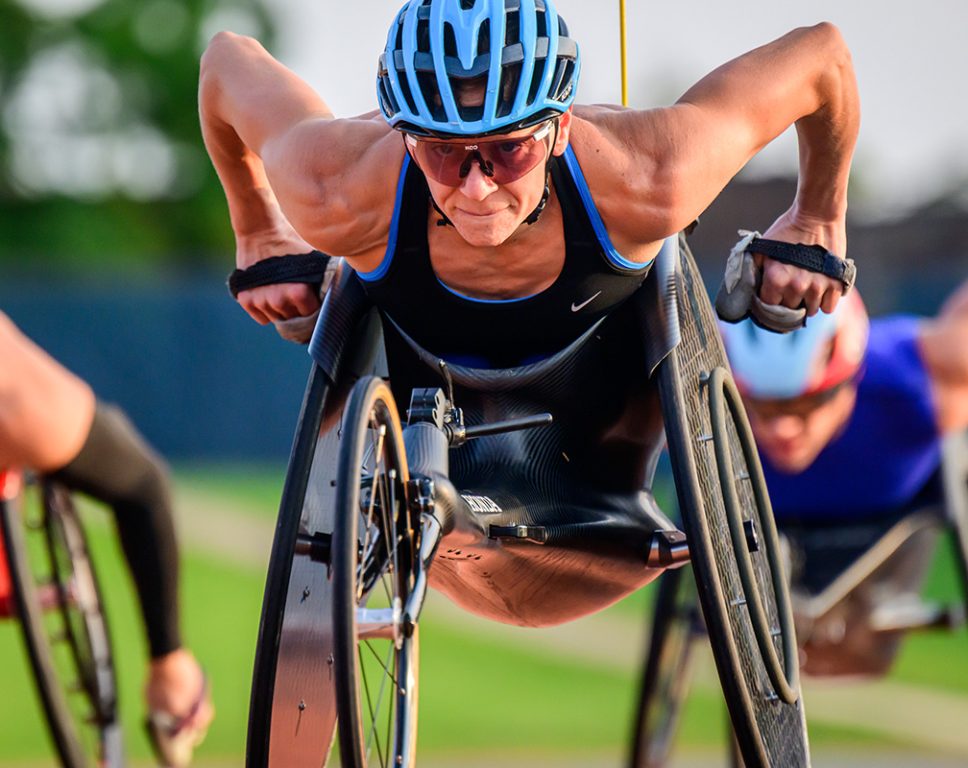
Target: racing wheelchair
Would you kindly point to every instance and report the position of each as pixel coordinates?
(48, 584)
(524, 496)
(855, 591)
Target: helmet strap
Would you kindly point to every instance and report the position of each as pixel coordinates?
(443, 221)
(533, 216)
(539, 208)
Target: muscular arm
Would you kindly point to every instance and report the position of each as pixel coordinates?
(673, 162)
(294, 177)
(944, 349)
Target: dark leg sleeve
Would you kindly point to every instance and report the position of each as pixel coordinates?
(117, 467)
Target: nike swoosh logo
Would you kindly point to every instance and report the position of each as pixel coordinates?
(585, 303)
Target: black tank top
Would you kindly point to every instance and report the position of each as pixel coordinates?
(510, 332)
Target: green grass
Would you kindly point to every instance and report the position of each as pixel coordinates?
(253, 490)
(481, 692)
(938, 659)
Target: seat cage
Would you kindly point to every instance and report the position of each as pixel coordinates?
(570, 505)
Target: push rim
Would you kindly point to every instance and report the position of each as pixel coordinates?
(724, 400)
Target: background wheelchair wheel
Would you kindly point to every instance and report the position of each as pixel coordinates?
(769, 723)
(374, 550)
(955, 474)
(60, 610)
(676, 626)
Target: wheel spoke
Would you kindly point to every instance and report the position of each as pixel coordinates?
(379, 699)
(380, 661)
(378, 454)
(369, 702)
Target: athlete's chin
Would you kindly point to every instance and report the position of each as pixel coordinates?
(485, 231)
(791, 460)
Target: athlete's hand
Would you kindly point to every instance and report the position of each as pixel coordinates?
(793, 287)
(279, 303)
(283, 301)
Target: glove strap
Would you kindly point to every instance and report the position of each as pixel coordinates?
(815, 258)
(307, 268)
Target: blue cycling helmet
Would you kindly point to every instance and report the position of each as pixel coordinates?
(825, 353)
(518, 50)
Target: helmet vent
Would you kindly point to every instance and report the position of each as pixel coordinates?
(387, 102)
(431, 94)
(466, 5)
(562, 76)
(535, 81)
(406, 92)
(450, 41)
(541, 19)
(512, 28)
(484, 38)
(510, 76)
(423, 35)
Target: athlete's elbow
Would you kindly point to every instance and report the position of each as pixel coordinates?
(831, 49)
(224, 50)
(225, 42)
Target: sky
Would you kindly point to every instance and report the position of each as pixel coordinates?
(911, 60)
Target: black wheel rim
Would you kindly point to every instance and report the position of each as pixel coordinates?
(61, 614)
(79, 602)
(373, 555)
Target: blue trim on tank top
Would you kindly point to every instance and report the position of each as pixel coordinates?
(596, 220)
(460, 295)
(384, 265)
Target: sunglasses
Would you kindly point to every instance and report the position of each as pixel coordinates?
(800, 407)
(502, 160)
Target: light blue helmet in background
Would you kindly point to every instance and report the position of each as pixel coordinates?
(823, 354)
(519, 50)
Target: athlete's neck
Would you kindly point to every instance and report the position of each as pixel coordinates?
(524, 264)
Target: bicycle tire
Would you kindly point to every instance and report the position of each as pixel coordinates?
(373, 556)
(81, 739)
(770, 732)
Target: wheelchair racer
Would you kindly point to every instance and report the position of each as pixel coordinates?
(849, 416)
(492, 219)
(52, 423)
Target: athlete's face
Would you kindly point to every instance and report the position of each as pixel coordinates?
(486, 212)
(792, 433)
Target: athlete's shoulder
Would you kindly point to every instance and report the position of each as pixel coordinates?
(342, 184)
(620, 153)
(893, 362)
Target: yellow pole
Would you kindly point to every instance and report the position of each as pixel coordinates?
(621, 24)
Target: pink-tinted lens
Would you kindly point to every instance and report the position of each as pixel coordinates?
(503, 160)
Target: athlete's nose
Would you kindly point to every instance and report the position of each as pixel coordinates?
(477, 185)
(785, 427)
